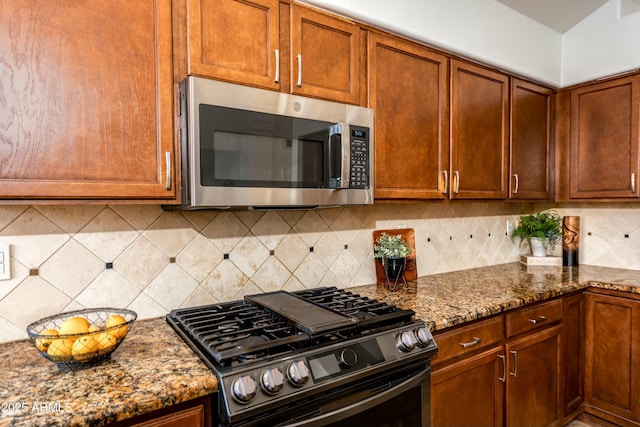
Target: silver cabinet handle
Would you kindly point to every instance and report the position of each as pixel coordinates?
(515, 364)
(517, 183)
(540, 319)
(446, 181)
(167, 158)
(475, 341)
(503, 378)
(299, 82)
(277, 77)
(456, 179)
(633, 182)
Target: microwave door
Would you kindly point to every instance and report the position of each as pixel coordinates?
(338, 157)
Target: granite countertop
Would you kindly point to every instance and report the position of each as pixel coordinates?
(449, 299)
(154, 368)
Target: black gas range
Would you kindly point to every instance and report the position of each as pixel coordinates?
(313, 357)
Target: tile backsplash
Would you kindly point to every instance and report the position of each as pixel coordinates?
(149, 260)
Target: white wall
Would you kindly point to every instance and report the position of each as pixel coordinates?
(483, 30)
(606, 42)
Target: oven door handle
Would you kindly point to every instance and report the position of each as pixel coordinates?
(365, 404)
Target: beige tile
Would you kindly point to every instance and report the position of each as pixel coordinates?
(200, 297)
(249, 255)
(272, 275)
(146, 307)
(225, 281)
(270, 229)
(291, 251)
(199, 257)
(141, 262)
(32, 300)
(9, 213)
(311, 271)
(109, 289)
(139, 216)
(72, 268)
(107, 235)
(225, 231)
(70, 218)
(171, 287)
(311, 227)
(171, 233)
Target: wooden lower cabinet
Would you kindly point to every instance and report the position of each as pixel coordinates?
(573, 356)
(516, 382)
(612, 362)
(532, 380)
(193, 413)
(469, 392)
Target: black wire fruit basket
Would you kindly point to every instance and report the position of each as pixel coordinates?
(81, 338)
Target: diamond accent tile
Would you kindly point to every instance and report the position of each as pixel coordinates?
(70, 244)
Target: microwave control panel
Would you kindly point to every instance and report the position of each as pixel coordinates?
(360, 155)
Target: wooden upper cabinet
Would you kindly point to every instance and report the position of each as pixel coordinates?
(479, 132)
(531, 130)
(409, 93)
(235, 40)
(325, 59)
(86, 105)
(604, 139)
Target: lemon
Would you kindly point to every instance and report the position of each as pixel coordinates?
(84, 347)
(45, 339)
(73, 326)
(115, 320)
(94, 328)
(105, 340)
(60, 348)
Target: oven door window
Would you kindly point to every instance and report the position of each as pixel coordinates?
(241, 148)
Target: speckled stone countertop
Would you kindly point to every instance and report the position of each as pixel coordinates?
(153, 368)
(449, 299)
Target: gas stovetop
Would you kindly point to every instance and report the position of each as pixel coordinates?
(273, 351)
(271, 324)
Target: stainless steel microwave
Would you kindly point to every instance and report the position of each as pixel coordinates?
(243, 147)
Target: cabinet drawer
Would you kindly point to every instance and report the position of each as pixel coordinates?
(468, 339)
(535, 317)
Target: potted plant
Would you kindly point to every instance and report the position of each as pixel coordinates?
(394, 252)
(541, 230)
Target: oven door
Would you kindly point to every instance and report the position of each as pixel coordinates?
(395, 398)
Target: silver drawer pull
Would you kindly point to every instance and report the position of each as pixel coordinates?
(540, 319)
(503, 378)
(475, 341)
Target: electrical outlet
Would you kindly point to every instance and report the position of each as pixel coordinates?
(5, 262)
(511, 224)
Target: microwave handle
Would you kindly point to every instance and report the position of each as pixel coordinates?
(339, 157)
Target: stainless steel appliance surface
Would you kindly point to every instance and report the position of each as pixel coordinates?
(243, 147)
(319, 357)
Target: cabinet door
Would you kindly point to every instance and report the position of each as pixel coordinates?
(235, 40)
(409, 93)
(325, 56)
(470, 392)
(612, 362)
(573, 355)
(86, 109)
(530, 140)
(533, 379)
(604, 139)
(479, 132)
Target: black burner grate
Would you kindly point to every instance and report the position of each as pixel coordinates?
(243, 331)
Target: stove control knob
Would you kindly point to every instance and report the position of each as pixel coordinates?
(347, 358)
(244, 388)
(272, 380)
(298, 373)
(424, 337)
(406, 341)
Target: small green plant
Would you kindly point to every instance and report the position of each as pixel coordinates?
(388, 246)
(543, 225)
